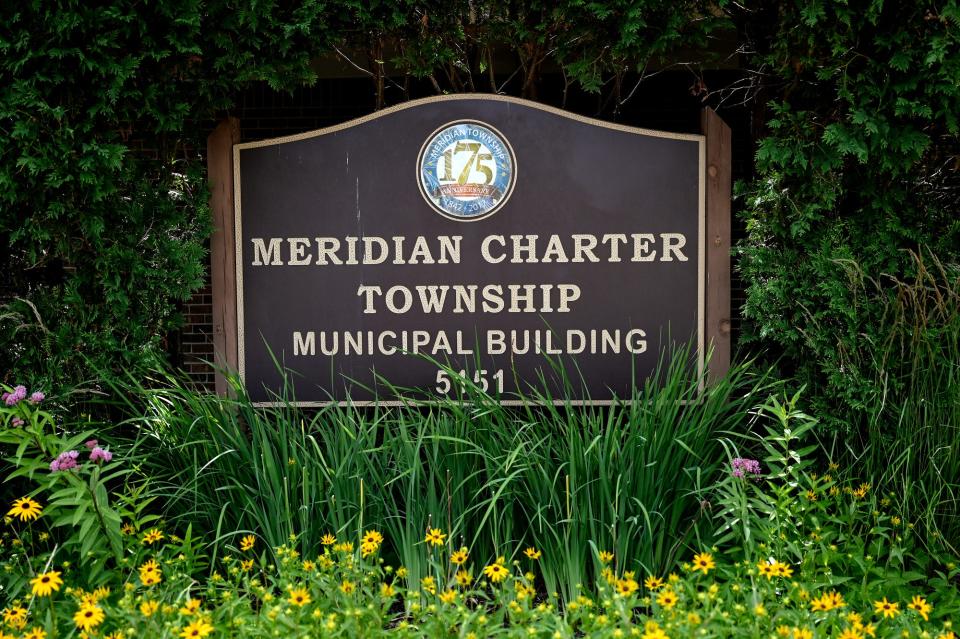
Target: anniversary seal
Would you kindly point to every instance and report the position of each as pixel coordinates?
(466, 170)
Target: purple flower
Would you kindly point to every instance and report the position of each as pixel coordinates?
(98, 454)
(742, 466)
(17, 421)
(36, 397)
(19, 393)
(65, 461)
(92, 444)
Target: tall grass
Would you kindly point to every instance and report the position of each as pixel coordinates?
(910, 434)
(567, 480)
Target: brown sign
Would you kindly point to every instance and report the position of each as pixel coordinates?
(477, 236)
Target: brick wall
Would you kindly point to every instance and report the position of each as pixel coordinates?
(665, 102)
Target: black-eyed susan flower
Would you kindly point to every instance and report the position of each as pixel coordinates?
(15, 617)
(496, 572)
(25, 509)
(246, 565)
(888, 609)
(347, 587)
(191, 607)
(667, 598)
(653, 583)
(703, 562)
(247, 543)
(387, 590)
(328, 540)
(429, 584)
(45, 583)
(605, 556)
(150, 573)
(533, 553)
(920, 604)
(88, 617)
(435, 537)
(627, 587)
(459, 557)
(152, 536)
(36, 633)
(464, 578)
(299, 597)
(448, 596)
(196, 630)
(148, 608)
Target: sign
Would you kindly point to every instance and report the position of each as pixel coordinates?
(489, 237)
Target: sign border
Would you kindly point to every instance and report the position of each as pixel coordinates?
(235, 149)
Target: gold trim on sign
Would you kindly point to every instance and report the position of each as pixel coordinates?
(238, 229)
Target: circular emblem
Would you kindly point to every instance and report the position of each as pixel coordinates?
(466, 170)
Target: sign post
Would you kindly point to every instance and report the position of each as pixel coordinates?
(521, 245)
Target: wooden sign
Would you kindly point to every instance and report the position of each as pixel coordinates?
(468, 236)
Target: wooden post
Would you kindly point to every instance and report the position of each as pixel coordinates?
(223, 272)
(718, 195)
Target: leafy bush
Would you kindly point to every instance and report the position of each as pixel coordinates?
(855, 166)
(565, 479)
(809, 556)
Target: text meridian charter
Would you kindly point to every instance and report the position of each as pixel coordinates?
(449, 249)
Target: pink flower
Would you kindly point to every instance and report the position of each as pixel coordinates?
(98, 454)
(17, 421)
(65, 461)
(92, 444)
(37, 397)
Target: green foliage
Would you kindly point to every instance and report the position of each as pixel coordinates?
(567, 480)
(856, 166)
(76, 505)
(104, 112)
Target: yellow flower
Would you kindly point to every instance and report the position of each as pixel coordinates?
(150, 573)
(148, 608)
(46, 583)
(667, 598)
(299, 597)
(15, 617)
(811, 496)
(348, 587)
(766, 570)
(429, 584)
(850, 633)
(197, 629)
(627, 587)
(25, 508)
(459, 557)
(496, 572)
(703, 562)
(653, 583)
(88, 617)
(246, 565)
(606, 556)
(328, 540)
(802, 633)
(920, 604)
(401, 572)
(448, 597)
(247, 543)
(387, 590)
(152, 536)
(887, 608)
(652, 630)
(367, 549)
(309, 566)
(533, 553)
(191, 607)
(372, 537)
(345, 547)
(782, 570)
(464, 578)
(36, 633)
(435, 537)
(759, 610)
